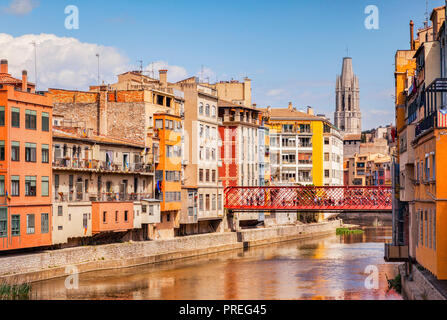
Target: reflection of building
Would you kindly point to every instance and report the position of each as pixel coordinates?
(25, 163)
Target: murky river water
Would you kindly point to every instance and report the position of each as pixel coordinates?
(331, 267)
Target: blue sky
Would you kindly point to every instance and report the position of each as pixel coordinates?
(292, 50)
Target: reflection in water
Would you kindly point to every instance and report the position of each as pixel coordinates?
(331, 267)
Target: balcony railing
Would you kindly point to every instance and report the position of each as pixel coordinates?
(305, 162)
(102, 166)
(425, 124)
(102, 197)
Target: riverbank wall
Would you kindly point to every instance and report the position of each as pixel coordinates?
(32, 267)
(418, 286)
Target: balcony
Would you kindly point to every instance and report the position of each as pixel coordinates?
(101, 166)
(425, 124)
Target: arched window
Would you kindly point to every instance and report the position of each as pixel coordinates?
(213, 111)
(201, 108)
(207, 110)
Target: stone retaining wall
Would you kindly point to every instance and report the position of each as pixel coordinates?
(49, 264)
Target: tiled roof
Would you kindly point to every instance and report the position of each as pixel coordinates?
(291, 113)
(68, 133)
(353, 136)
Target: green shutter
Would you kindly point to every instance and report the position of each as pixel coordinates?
(45, 146)
(2, 143)
(15, 110)
(30, 145)
(15, 178)
(15, 144)
(45, 114)
(31, 112)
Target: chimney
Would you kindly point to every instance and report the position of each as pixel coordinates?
(4, 66)
(411, 35)
(102, 111)
(24, 81)
(163, 75)
(310, 111)
(290, 106)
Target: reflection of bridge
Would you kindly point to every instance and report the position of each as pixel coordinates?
(344, 198)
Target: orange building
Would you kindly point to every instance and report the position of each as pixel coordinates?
(168, 129)
(112, 216)
(25, 163)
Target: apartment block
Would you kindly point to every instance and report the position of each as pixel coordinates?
(202, 189)
(25, 163)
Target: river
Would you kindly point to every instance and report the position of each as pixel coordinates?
(329, 267)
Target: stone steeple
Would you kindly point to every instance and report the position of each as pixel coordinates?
(347, 115)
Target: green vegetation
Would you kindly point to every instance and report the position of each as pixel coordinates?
(346, 231)
(395, 283)
(15, 292)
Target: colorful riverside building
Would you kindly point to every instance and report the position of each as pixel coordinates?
(296, 147)
(25, 163)
(168, 128)
(420, 225)
(128, 109)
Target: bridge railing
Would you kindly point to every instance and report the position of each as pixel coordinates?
(309, 198)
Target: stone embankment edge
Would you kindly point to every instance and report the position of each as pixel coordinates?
(258, 237)
(419, 288)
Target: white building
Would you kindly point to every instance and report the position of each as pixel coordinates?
(333, 156)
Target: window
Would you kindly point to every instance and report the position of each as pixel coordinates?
(15, 117)
(2, 116)
(207, 110)
(213, 203)
(85, 221)
(30, 152)
(3, 222)
(45, 153)
(326, 173)
(219, 201)
(326, 156)
(434, 168)
(168, 217)
(201, 202)
(201, 175)
(116, 216)
(214, 175)
(159, 124)
(201, 108)
(207, 202)
(213, 111)
(104, 216)
(15, 225)
(2, 150)
(44, 223)
(207, 175)
(45, 121)
(45, 186)
(59, 211)
(30, 224)
(2, 185)
(15, 186)
(30, 186)
(126, 216)
(30, 119)
(15, 151)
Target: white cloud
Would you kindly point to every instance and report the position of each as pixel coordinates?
(175, 73)
(21, 7)
(275, 92)
(61, 62)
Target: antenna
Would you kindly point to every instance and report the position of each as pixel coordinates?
(347, 51)
(141, 65)
(35, 61)
(426, 14)
(97, 55)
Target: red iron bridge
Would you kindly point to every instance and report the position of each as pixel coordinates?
(309, 198)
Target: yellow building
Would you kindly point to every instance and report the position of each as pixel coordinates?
(296, 147)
